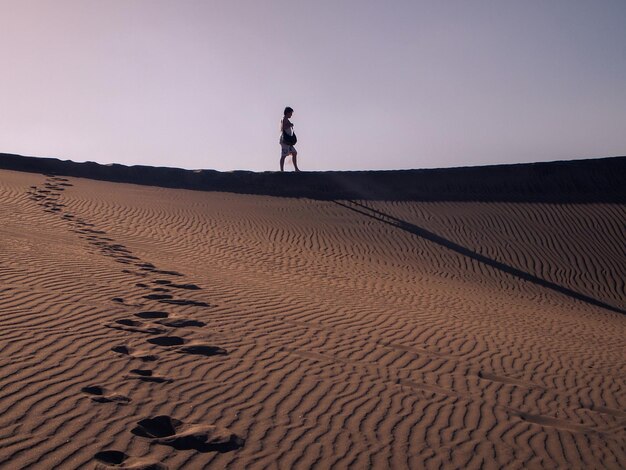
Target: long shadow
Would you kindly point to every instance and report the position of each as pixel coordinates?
(433, 237)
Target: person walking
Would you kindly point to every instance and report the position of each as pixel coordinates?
(287, 140)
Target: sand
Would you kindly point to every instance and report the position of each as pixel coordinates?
(145, 327)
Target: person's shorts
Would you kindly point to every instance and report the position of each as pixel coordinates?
(286, 150)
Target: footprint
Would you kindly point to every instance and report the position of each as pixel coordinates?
(149, 266)
(118, 247)
(203, 350)
(158, 296)
(152, 314)
(135, 326)
(135, 354)
(165, 282)
(147, 375)
(111, 457)
(129, 322)
(187, 286)
(202, 438)
(168, 273)
(167, 341)
(102, 395)
(115, 459)
(122, 350)
(180, 322)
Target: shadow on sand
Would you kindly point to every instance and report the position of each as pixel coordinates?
(413, 229)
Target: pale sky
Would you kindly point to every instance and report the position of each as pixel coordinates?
(374, 84)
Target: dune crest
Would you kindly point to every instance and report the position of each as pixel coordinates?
(592, 180)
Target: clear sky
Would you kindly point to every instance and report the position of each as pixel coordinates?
(374, 84)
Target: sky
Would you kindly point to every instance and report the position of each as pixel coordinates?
(374, 84)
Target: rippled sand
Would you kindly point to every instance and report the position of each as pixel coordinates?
(144, 327)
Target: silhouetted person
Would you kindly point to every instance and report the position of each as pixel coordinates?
(287, 140)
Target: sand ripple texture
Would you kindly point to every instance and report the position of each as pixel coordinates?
(145, 327)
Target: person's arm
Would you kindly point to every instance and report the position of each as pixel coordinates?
(287, 125)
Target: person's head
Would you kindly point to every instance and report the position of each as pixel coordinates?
(288, 112)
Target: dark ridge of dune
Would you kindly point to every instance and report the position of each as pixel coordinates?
(592, 180)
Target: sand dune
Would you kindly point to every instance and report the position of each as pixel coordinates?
(145, 327)
(594, 180)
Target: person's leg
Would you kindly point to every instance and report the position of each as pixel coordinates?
(284, 151)
(295, 161)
